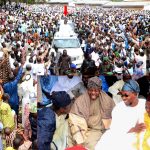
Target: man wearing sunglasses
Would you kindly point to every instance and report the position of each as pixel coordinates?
(127, 120)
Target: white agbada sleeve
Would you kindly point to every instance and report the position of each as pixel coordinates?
(123, 119)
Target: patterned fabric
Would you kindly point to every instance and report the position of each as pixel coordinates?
(9, 139)
(132, 86)
(78, 133)
(94, 82)
(5, 70)
(27, 127)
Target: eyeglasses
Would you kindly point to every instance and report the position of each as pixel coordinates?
(124, 95)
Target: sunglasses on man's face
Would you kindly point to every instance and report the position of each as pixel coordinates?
(124, 95)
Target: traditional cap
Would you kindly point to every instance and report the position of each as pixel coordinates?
(61, 99)
(132, 86)
(94, 82)
(73, 66)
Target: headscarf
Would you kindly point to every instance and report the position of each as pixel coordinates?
(61, 99)
(132, 86)
(94, 82)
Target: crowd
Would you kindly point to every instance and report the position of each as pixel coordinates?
(113, 40)
(75, 107)
(88, 117)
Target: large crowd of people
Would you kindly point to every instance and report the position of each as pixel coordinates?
(46, 103)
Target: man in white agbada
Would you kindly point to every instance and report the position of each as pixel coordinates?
(25, 89)
(127, 120)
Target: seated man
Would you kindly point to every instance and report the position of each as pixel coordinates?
(126, 120)
(61, 106)
(52, 123)
(90, 115)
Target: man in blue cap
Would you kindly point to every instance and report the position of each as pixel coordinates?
(126, 120)
(61, 106)
(52, 121)
(72, 71)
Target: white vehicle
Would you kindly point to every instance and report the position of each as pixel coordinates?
(70, 42)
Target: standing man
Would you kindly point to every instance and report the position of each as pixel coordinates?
(64, 62)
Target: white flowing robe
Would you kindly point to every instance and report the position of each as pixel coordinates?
(123, 119)
(71, 86)
(25, 89)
